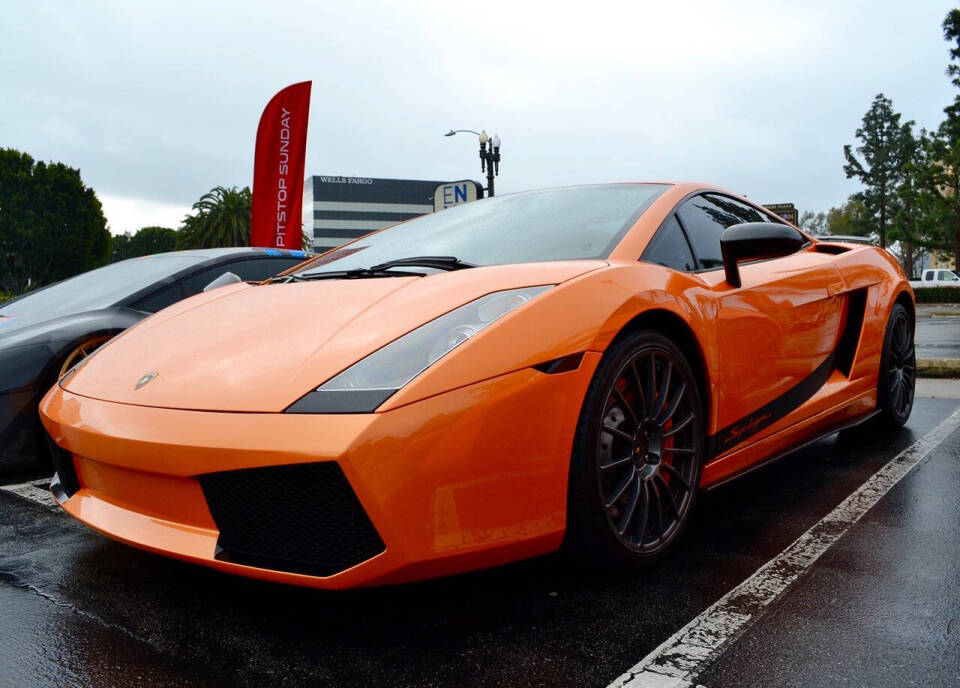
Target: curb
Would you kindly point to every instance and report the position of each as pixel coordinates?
(938, 367)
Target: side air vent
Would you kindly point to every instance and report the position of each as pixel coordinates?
(302, 518)
(833, 249)
(850, 338)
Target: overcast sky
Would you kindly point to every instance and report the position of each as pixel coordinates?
(158, 102)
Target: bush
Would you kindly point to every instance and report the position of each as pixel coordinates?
(5, 296)
(937, 294)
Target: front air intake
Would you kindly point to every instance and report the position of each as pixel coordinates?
(66, 482)
(302, 518)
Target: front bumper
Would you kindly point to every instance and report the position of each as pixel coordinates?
(471, 478)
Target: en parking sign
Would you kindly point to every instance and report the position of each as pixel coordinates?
(455, 193)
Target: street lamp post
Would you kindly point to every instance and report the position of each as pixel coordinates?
(489, 154)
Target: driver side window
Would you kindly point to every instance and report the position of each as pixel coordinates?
(705, 217)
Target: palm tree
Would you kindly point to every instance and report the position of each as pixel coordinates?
(221, 218)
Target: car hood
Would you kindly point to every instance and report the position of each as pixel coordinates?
(259, 348)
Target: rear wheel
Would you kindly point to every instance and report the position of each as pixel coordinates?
(898, 368)
(637, 454)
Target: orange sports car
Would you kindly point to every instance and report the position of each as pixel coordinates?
(487, 383)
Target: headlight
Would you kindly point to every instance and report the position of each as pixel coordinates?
(366, 384)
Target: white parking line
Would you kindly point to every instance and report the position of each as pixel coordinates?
(679, 660)
(36, 491)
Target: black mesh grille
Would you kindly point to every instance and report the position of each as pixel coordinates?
(63, 465)
(303, 518)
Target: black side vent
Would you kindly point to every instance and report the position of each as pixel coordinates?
(302, 518)
(67, 481)
(561, 365)
(834, 249)
(850, 339)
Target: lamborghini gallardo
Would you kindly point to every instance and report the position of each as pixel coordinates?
(557, 368)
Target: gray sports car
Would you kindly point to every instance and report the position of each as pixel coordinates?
(45, 332)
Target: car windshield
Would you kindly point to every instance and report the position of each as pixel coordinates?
(554, 224)
(102, 287)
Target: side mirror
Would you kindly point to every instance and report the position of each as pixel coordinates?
(222, 281)
(755, 240)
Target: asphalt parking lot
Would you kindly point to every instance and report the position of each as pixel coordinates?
(879, 607)
(938, 336)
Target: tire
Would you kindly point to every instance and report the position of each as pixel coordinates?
(898, 369)
(637, 455)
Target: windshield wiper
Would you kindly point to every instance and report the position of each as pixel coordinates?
(386, 269)
(436, 262)
(356, 273)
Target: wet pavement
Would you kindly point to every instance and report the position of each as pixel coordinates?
(879, 608)
(938, 336)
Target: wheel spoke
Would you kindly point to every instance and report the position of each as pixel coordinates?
(904, 336)
(678, 426)
(630, 509)
(652, 387)
(679, 450)
(621, 488)
(677, 398)
(644, 515)
(668, 496)
(619, 433)
(626, 406)
(899, 394)
(904, 394)
(675, 472)
(640, 393)
(614, 464)
(658, 512)
(664, 390)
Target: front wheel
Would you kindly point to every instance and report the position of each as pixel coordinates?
(638, 454)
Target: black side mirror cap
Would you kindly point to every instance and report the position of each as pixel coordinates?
(755, 240)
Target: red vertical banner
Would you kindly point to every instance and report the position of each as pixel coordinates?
(275, 216)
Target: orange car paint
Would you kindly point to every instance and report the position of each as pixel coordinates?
(466, 466)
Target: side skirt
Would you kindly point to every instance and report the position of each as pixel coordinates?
(829, 430)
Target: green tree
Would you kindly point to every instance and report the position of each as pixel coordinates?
(146, 241)
(932, 193)
(221, 218)
(51, 224)
(814, 223)
(951, 33)
(849, 219)
(938, 182)
(914, 225)
(885, 147)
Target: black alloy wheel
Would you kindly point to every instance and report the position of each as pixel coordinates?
(898, 368)
(639, 452)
